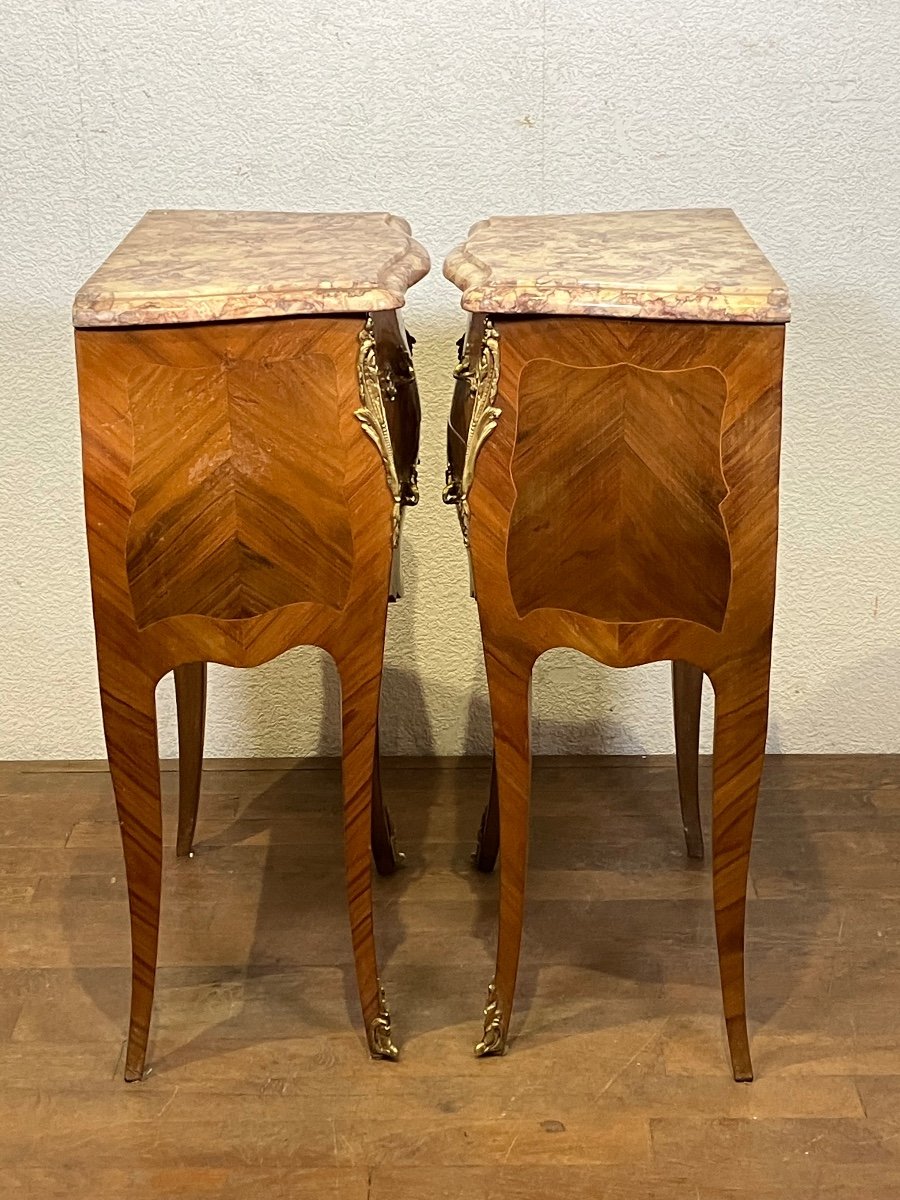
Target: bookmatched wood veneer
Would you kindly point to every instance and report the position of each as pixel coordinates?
(618, 487)
(236, 508)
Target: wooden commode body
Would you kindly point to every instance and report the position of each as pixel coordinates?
(613, 453)
(250, 429)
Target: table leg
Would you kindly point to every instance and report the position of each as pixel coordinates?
(190, 702)
(687, 691)
(487, 845)
(742, 701)
(387, 857)
(360, 693)
(509, 685)
(129, 720)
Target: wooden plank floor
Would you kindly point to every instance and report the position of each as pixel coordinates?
(616, 1084)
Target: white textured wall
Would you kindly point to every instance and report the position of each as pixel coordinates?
(786, 110)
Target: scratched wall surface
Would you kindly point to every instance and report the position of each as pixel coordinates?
(785, 110)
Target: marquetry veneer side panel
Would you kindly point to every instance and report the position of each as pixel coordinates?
(747, 362)
(249, 517)
(237, 482)
(736, 655)
(210, 449)
(618, 480)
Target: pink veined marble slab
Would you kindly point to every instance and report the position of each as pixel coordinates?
(182, 265)
(678, 264)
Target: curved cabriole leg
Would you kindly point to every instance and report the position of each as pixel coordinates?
(687, 692)
(509, 688)
(384, 845)
(360, 690)
(487, 845)
(190, 702)
(129, 723)
(742, 701)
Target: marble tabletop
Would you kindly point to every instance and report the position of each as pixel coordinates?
(678, 264)
(181, 265)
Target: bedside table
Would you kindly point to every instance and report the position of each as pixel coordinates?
(250, 429)
(613, 455)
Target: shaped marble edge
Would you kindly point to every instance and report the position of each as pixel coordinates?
(99, 305)
(483, 292)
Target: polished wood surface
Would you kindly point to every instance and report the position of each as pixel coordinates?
(618, 481)
(239, 498)
(487, 844)
(615, 1088)
(190, 703)
(607, 518)
(687, 694)
(237, 508)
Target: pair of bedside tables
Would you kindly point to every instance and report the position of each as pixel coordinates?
(250, 429)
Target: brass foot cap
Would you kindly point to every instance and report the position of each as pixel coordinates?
(491, 1048)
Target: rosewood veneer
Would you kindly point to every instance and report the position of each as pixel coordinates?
(250, 428)
(613, 454)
